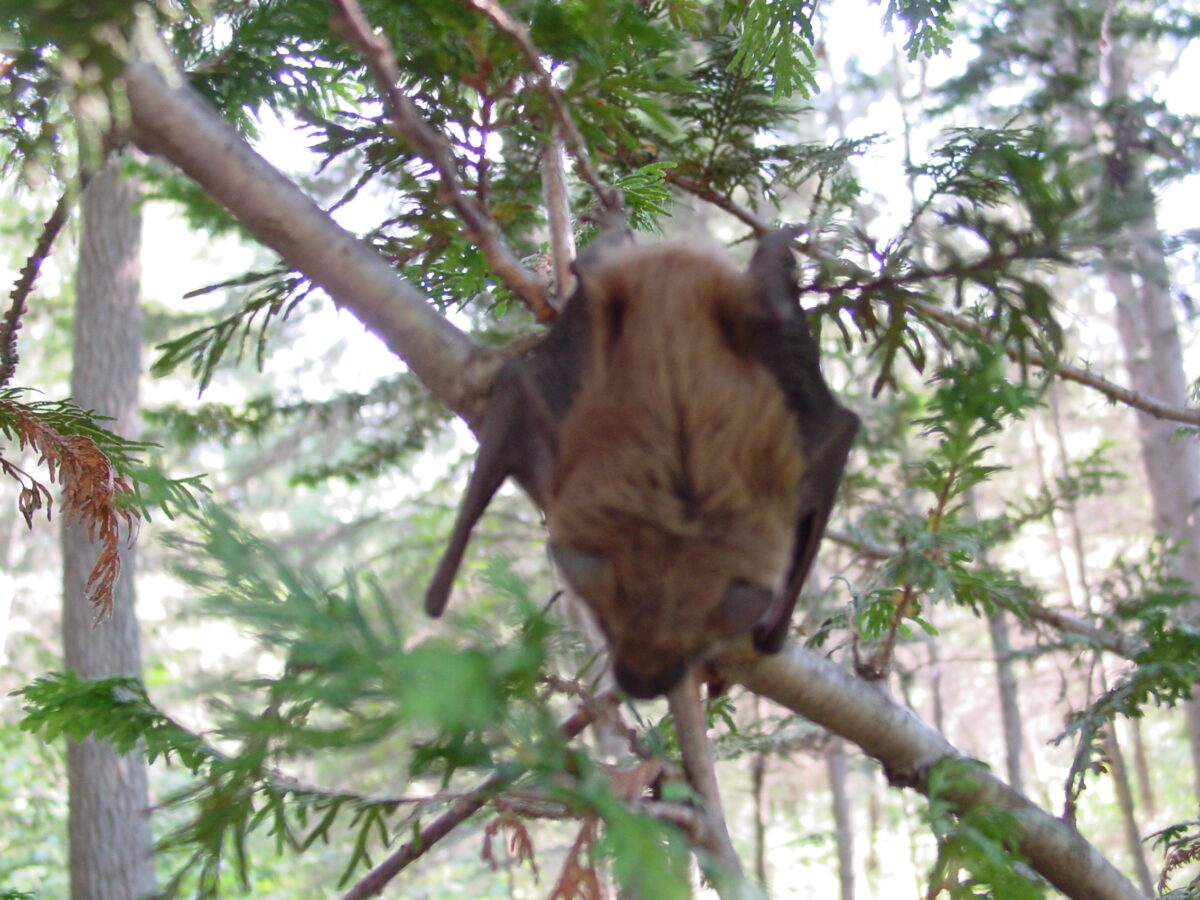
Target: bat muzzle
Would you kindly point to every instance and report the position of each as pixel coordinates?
(642, 686)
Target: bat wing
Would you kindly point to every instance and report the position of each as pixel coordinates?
(506, 446)
(519, 438)
(782, 342)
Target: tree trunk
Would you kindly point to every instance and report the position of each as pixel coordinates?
(835, 760)
(1136, 271)
(758, 796)
(1133, 839)
(1010, 711)
(1006, 682)
(1142, 768)
(108, 818)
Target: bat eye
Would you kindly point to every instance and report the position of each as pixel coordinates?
(743, 605)
(586, 572)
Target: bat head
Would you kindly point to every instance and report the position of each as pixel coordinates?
(673, 494)
(661, 607)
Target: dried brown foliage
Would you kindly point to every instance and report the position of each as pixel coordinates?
(579, 879)
(520, 844)
(92, 494)
(1177, 859)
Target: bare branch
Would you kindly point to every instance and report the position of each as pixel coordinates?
(375, 881)
(562, 116)
(692, 730)
(348, 21)
(1113, 642)
(1114, 392)
(558, 214)
(19, 295)
(863, 712)
(171, 120)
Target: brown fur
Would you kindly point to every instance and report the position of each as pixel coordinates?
(679, 462)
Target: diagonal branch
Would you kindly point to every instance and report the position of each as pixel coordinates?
(466, 806)
(1113, 391)
(571, 137)
(348, 20)
(862, 712)
(1112, 641)
(171, 120)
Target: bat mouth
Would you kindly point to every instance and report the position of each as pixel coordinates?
(643, 687)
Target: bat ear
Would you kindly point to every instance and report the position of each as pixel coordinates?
(743, 606)
(588, 574)
(615, 236)
(773, 271)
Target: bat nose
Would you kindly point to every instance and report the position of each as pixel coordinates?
(642, 686)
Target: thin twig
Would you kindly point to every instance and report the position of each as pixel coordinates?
(348, 20)
(1112, 641)
(375, 880)
(519, 33)
(1115, 392)
(24, 285)
(558, 215)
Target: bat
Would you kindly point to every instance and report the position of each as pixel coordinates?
(676, 428)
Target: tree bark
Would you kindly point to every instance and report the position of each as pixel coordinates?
(758, 777)
(835, 761)
(108, 819)
(862, 713)
(1142, 768)
(1135, 269)
(1010, 710)
(1133, 837)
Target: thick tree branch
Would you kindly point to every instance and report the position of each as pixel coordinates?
(348, 20)
(1114, 392)
(374, 882)
(863, 713)
(576, 146)
(172, 121)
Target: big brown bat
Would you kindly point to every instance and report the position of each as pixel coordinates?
(676, 428)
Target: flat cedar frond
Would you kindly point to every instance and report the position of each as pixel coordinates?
(92, 491)
(578, 879)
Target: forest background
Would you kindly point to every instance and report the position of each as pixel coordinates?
(1000, 263)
